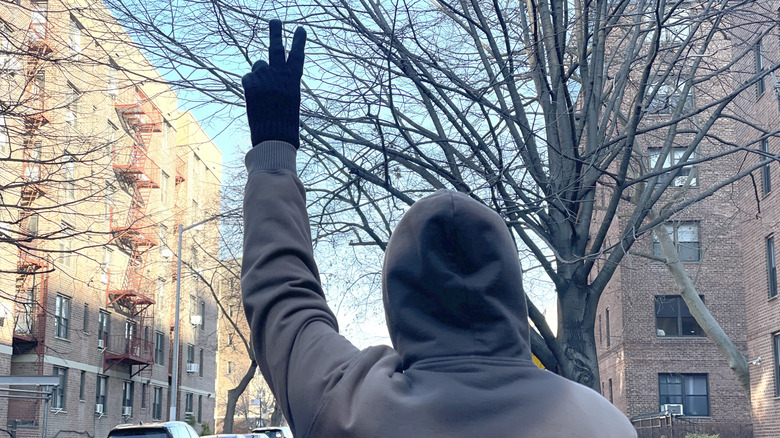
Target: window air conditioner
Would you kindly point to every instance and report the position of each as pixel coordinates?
(673, 409)
(196, 319)
(101, 343)
(99, 408)
(127, 411)
(4, 228)
(166, 253)
(192, 367)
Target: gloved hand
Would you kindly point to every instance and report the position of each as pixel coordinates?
(273, 90)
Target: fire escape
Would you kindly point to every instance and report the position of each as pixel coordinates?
(33, 265)
(136, 233)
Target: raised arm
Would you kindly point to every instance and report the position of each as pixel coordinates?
(294, 333)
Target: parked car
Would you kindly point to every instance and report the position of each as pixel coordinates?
(170, 429)
(274, 432)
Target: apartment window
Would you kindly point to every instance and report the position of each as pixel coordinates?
(38, 20)
(164, 189)
(58, 394)
(127, 395)
(766, 179)
(672, 317)
(69, 177)
(61, 316)
(193, 305)
(200, 408)
(29, 226)
(771, 267)
(32, 168)
(672, 159)
(776, 350)
(668, 97)
(113, 83)
(758, 51)
(676, 28)
(601, 333)
(66, 246)
(611, 398)
(74, 36)
(160, 293)
(188, 403)
(230, 335)
(104, 327)
(144, 389)
(689, 390)
(85, 327)
(229, 367)
(71, 105)
(190, 353)
(101, 389)
(5, 143)
(157, 404)
(203, 315)
(686, 240)
(200, 367)
(82, 379)
(606, 315)
(159, 348)
(163, 235)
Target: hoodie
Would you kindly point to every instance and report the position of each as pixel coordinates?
(460, 365)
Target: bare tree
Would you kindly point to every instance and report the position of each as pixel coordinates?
(571, 119)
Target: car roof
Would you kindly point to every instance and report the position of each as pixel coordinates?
(166, 424)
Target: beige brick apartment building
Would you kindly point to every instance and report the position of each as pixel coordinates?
(99, 167)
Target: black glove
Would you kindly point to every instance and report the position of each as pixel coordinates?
(273, 90)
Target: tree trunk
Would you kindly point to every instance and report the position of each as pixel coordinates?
(736, 360)
(576, 340)
(234, 394)
(276, 417)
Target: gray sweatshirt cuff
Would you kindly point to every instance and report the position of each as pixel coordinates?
(269, 156)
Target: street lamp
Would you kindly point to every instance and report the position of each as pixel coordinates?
(175, 383)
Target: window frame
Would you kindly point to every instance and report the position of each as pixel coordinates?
(62, 315)
(675, 232)
(771, 266)
(668, 96)
(59, 393)
(157, 399)
(776, 356)
(159, 348)
(758, 54)
(128, 389)
(673, 159)
(766, 171)
(75, 34)
(101, 391)
(104, 326)
(676, 303)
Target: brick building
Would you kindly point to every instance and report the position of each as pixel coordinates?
(99, 167)
(653, 356)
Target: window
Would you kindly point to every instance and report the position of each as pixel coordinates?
(81, 384)
(673, 159)
(163, 235)
(776, 350)
(611, 399)
(686, 239)
(190, 353)
(58, 394)
(29, 225)
(157, 404)
(104, 328)
(127, 395)
(5, 148)
(230, 335)
(66, 246)
(758, 51)
(771, 267)
(32, 168)
(74, 36)
(193, 305)
(144, 388)
(766, 179)
(61, 316)
(203, 315)
(609, 340)
(672, 317)
(601, 334)
(71, 105)
(85, 327)
(668, 97)
(229, 367)
(689, 390)
(159, 348)
(164, 189)
(38, 22)
(188, 403)
(101, 389)
(69, 177)
(113, 83)
(200, 408)
(200, 367)
(676, 28)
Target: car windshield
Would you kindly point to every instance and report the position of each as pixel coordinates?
(141, 433)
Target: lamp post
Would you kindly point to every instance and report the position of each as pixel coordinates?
(175, 382)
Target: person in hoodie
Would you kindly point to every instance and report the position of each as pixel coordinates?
(460, 365)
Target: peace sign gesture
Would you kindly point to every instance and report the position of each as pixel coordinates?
(272, 90)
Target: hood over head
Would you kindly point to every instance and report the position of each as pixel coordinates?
(452, 283)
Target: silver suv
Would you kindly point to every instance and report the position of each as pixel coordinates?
(170, 429)
(274, 432)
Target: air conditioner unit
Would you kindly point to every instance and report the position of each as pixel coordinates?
(104, 278)
(99, 408)
(196, 319)
(166, 253)
(101, 343)
(192, 367)
(127, 411)
(4, 228)
(673, 409)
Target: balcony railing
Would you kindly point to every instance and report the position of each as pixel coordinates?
(134, 350)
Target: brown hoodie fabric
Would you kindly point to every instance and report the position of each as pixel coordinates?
(461, 363)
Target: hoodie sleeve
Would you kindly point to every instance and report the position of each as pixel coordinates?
(294, 332)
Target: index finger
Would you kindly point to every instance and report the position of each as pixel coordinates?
(275, 46)
(295, 59)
